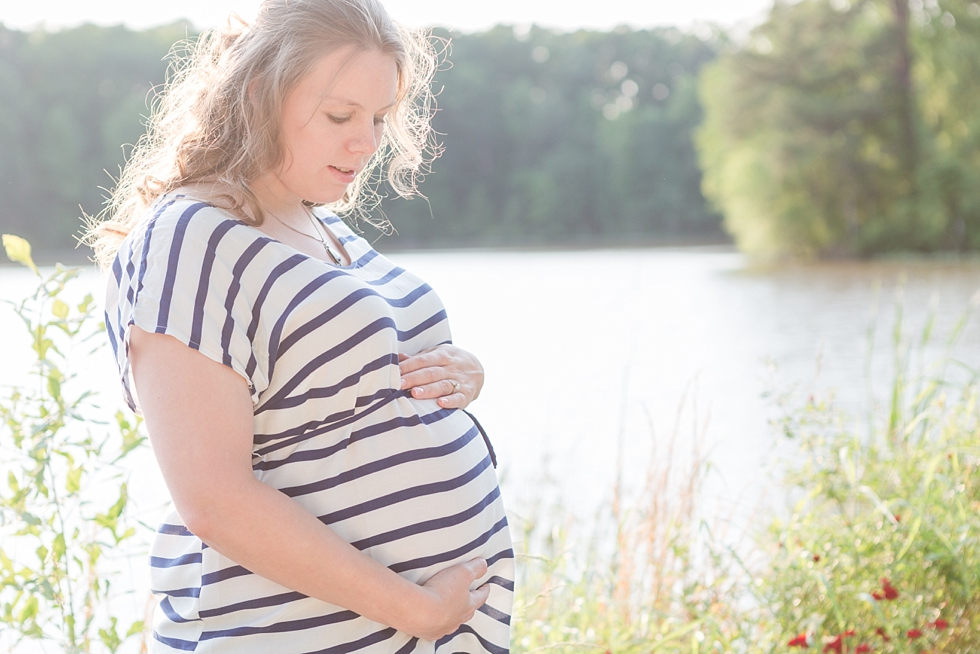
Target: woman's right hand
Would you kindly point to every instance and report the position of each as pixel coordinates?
(448, 601)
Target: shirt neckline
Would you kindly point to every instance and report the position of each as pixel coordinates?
(354, 261)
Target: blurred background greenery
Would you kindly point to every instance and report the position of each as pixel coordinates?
(834, 128)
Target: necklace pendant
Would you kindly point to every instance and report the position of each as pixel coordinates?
(330, 253)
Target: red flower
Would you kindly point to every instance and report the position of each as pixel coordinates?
(898, 517)
(914, 633)
(848, 633)
(799, 641)
(863, 648)
(939, 624)
(881, 632)
(836, 645)
(887, 591)
(816, 558)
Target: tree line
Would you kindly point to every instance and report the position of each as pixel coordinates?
(547, 137)
(836, 128)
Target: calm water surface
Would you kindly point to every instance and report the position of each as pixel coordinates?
(586, 349)
(590, 354)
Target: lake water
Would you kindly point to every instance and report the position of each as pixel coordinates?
(590, 354)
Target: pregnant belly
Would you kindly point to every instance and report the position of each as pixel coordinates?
(408, 483)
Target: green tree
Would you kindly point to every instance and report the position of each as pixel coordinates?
(69, 102)
(947, 68)
(824, 133)
(563, 138)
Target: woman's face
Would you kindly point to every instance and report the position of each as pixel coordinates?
(332, 122)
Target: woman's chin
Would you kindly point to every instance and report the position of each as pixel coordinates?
(327, 196)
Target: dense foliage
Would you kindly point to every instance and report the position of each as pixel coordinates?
(549, 138)
(558, 138)
(848, 127)
(69, 101)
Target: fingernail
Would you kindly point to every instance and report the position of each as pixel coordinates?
(417, 392)
(403, 383)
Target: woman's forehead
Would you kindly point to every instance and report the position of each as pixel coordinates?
(354, 78)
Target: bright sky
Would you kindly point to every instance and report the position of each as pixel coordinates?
(468, 15)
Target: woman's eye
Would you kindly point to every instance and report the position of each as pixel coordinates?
(338, 119)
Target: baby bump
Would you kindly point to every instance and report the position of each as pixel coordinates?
(408, 483)
(413, 487)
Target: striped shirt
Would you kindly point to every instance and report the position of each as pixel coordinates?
(403, 480)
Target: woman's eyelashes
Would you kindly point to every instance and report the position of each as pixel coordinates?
(341, 119)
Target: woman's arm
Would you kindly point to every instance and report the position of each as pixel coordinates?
(199, 417)
(431, 373)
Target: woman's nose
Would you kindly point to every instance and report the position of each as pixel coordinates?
(366, 140)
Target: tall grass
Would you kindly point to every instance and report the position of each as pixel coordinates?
(646, 574)
(880, 551)
(893, 503)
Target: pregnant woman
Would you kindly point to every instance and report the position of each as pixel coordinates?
(300, 391)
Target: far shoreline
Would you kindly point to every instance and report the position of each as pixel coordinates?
(82, 256)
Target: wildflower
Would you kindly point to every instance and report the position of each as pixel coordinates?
(816, 558)
(898, 517)
(914, 633)
(848, 633)
(835, 645)
(863, 648)
(939, 624)
(887, 592)
(799, 641)
(881, 632)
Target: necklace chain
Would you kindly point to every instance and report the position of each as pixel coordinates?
(326, 247)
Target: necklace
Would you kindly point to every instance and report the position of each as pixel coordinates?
(326, 248)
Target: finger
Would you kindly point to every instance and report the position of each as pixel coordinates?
(423, 377)
(454, 401)
(432, 358)
(402, 357)
(438, 389)
(428, 391)
(477, 567)
(479, 596)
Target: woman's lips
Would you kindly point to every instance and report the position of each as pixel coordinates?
(345, 175)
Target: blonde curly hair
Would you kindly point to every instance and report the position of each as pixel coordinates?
(217, 118)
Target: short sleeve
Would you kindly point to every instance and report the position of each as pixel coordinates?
(180, 274)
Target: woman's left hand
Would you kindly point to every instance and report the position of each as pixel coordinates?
(445, 372)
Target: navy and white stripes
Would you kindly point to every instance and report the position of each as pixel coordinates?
(407, 482)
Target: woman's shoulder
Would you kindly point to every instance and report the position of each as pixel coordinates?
(181, 223)
(182, 212)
